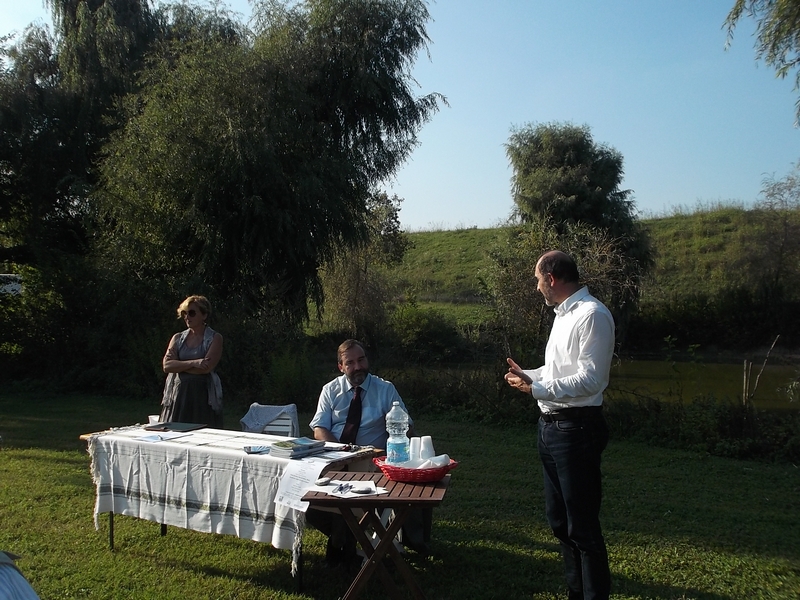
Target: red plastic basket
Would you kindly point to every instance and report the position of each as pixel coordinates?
(413, 475)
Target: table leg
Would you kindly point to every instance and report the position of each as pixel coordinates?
(163, 529)
(111, 530)
(385, 537)
(375, 555)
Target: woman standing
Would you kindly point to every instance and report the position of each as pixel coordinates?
(193, 392)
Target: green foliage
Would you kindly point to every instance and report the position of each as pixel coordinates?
(248, 166)
(124, 331)
(43, 147)
(424, 335)
(706, 424)
(777, 33)
(355, 283)
(56, 108)
(471, 392)
(289, 379)
(101, 47)
(560, 172)
(26, 324)
(229, 161)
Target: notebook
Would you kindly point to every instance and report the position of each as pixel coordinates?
(173, 426)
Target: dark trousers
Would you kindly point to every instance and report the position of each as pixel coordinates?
(570, 452)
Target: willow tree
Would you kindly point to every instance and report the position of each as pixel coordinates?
(560, 172)
(777, 34)
(57, 99)
(246, 166)
(102, 44)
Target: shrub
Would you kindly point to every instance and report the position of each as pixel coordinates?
(288, 380)
(707, 424)
(425, 335)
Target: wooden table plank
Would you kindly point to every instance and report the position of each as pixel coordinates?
(422, 494)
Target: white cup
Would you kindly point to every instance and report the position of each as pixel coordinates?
(414, 446)
(426, 447)
(153, 419)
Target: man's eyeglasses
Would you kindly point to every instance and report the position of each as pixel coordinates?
(191, 313)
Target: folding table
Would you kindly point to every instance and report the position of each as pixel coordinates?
(402, 497)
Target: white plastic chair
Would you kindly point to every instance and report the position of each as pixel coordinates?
(272, 419)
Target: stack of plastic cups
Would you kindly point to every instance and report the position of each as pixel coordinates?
(413, 453)
(426, 448)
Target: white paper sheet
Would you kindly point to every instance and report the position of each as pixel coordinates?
(331, 489)
(298, 477)
(163, 436)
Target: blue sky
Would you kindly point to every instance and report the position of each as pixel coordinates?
(695, 123)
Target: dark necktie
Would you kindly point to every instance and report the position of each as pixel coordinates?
(350, 430)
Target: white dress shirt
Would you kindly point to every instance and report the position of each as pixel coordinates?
(578, 357)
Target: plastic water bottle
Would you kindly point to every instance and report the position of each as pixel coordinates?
(397, 446)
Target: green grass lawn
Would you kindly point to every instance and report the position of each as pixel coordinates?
(679, 525)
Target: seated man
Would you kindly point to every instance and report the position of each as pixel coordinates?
(375, 398)
(352, 409)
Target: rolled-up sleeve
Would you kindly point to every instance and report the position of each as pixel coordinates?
(324, 415)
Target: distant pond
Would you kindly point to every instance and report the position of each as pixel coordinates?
(687, 380)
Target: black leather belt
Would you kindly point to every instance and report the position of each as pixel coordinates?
(566, 414)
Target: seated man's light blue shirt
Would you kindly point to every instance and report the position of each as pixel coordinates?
(377, 396)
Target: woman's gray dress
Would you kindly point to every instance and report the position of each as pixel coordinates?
(189, 400)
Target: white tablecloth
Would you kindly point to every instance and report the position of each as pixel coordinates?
(202, 481)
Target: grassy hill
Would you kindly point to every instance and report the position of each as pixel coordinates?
(445, 266)
(702, 259)
(694, 251)
(704, 251)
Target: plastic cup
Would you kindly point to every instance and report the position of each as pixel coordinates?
(413, 453)
(153, 419)
(426, 447)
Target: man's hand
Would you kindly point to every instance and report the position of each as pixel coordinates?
(517, 378)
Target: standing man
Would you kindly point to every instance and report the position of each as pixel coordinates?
(572, 430)
(352, 409)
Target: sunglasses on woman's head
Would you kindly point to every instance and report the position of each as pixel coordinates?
(191, 313)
